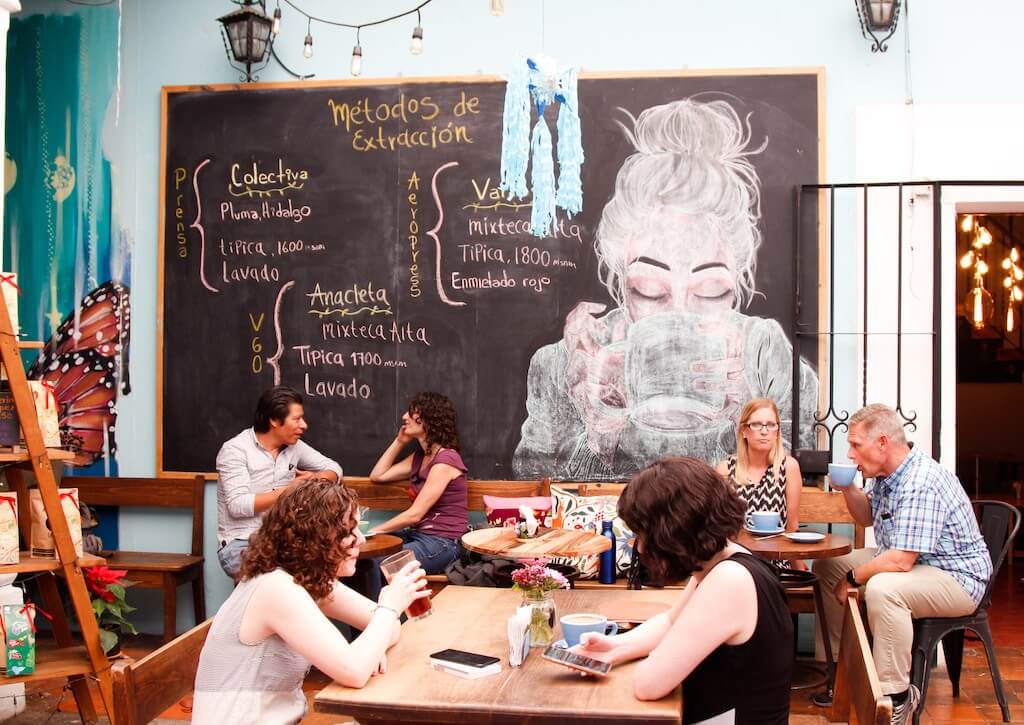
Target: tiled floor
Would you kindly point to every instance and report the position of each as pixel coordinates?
(976, 704)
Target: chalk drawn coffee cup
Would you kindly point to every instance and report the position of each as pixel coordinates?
(674, 374)
(841, 475)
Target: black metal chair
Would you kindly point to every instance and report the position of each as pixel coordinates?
(999, 525)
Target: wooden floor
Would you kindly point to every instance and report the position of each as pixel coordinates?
(976, 704)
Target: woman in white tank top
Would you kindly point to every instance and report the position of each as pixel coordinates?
(276, 623)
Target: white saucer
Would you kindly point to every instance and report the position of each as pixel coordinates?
(805, 537)
(765, 532)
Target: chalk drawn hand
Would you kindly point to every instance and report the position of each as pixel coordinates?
(595, 378)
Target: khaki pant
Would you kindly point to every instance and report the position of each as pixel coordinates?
(893, 600)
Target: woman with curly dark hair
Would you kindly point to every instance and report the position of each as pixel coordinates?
(729, 638)
(439, 515)
(275, 623)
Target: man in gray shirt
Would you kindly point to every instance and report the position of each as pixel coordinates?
(257, 465)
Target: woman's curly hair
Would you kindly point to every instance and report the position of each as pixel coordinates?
(437, 414)
(302, 533)
(683, 513)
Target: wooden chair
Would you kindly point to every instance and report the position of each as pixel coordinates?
(144, 689)
(155, 570)
(857, 687)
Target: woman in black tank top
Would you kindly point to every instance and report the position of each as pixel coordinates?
(728, 639)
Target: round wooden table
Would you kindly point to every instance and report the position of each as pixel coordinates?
(380, 545)
(779, 548)
(502, 541)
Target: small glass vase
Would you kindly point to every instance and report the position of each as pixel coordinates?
(542, 617)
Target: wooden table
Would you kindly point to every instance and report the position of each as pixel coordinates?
(502, 541)
(538, 693)
(779, 548)
(380, 545)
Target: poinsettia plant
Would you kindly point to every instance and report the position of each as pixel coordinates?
(108, 603)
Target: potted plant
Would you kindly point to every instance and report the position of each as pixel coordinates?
(536, 581)
(109, 605)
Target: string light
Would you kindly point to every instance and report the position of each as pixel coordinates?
(275, 27)
(416, 46)
(307, 48)
(357, 56)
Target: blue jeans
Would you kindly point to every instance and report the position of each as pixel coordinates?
(230, 556)
(434, 553)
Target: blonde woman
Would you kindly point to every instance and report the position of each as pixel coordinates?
(765, 477)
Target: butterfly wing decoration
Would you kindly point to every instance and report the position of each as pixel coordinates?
(87, 365)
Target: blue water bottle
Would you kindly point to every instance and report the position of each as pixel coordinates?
(607, 573)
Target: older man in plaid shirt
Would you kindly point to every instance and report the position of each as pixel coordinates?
(931, 559)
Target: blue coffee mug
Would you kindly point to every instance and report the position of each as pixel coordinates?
(575, 625)
(841, 474)
(764, 520)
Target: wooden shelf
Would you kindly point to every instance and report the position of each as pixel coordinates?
(30, 344)
(54, 662)
(54, 454)
(29, 563)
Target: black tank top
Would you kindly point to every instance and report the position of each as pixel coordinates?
(752, 678)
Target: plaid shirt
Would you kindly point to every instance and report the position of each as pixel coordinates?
(922, 507)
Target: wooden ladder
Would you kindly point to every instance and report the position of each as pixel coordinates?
(76, 663)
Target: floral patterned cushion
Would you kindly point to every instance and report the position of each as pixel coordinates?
(588, 512)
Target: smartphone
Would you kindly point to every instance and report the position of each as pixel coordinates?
(464, 659)
(575, 661)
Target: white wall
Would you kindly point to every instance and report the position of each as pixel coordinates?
(953, 62)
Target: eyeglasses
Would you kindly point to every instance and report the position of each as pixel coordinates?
(769, 427)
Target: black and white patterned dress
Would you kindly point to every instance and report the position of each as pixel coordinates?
(767, 494)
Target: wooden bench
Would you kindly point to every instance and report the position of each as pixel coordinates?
(149, 570)
(144, 689)
(857, 687)
(821, 507)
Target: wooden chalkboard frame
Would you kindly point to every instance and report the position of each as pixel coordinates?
(167, 91)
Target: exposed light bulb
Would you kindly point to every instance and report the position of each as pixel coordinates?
(1014, 254)
(967, 223)
(307, 49)
(982, 268)
(275, 27)
(1018, 294)
(357, 60)
(497, 7)
(967, 260)
(1009, 318)
(416, 46)
(984, 236)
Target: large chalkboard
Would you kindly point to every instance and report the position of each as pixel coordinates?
(349, 240)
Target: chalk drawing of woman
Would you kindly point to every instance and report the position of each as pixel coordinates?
(668, 369)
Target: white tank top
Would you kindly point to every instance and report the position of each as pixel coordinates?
(247, 683)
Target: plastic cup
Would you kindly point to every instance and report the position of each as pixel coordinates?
(419, 608)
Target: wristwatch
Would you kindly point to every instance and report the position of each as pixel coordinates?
(850, 578)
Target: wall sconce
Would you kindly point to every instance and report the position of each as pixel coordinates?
(247, 36)
(878, 17)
